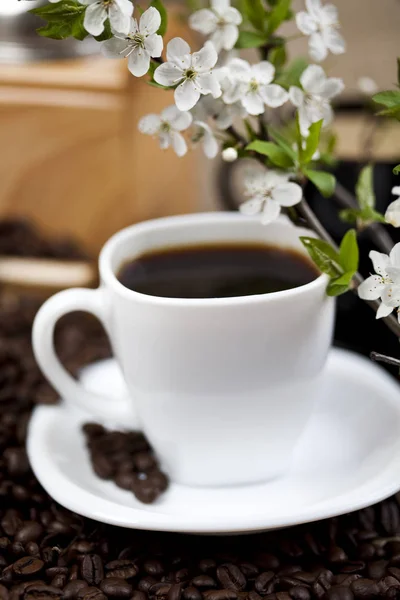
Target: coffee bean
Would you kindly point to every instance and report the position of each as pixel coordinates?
(390, 517)
(3, 592)
(226, 594)
(145, 584)
(92, 593)
(144, 462)
(92, 569)
(29, 532)
(182, 576)
(339, 592)
(11, 522)
(160, 589)
(345, 579)
(249, 570)
(175, 591)
(28, 565)
(144, 491)
(337, 555)
(153, 567)
(73, 588)
(59, 581)
(366, 589)
(267, 562)
(207, 565)
(102, 466)
(32, 549)
(93, 430)
(192, 593)
(42, 592)
(322, 584)
(17, 549)
(300, 592)
(377, 569)
(123, 569)
(231, 577)
(253, 596)
(125, 480)
(116, 588)
(204, 581)
(395, 572)
(387, 582)
(138, 595)
(264, 583)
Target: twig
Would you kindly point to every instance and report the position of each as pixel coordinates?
(238, 136)
(377, 232)
(395, 362)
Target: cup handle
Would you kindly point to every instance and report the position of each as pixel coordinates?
(92, 301)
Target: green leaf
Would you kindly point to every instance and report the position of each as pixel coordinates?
(291, 75)
(277, 15)
(251, 39)
(323, 255)
(325, 182)
(390, 98)
(64, 19)
(336, 290)
(277, 56)
(283, 142)
(398, 71)
(107, 33)
(348, 253)
(312, 142)
(393, 112)
(349, 215)
(158, 4)
(365, 188)
(277, 155)
(396, 170)
(255, 12)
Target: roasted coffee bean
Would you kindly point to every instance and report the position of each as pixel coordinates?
(42, 592)
(160, 589)
(155, 568)
(204, 581)
(322, 584)
(29, 532)
(92, 569)
(253, 596)
(192, 593)
(32, 549)
(377, 569)
(17, 549)
(337, 555)
(145, 584)
(123, 569)
(249, 570)
(356, 566)
(103, 466)
(93, 430)
(28, 565)
(345, 579)
(207, 565)
(339, 592)
(390, 517)
(175, 591)
(227, 594)
(263, 583)
(16, 460)
(125, 480)
(11, 522)
(300, 592)
(144, 462)
(73, 588)
(267, 562)
(91, 593)
(138, 595)
(3, 592)
(116, 588)
(387, 582)
(366, 589)
(182, 576)
(59, 581)
(231, 577)
(395, 572)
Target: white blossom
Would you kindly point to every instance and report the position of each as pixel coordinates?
(220, 22)
(385, 284)
(167, 127)
(98, 11)
(313, 101)
(321, 24)
(268, 192)
(204, 135)
(252, 86)
(230, 155)
(140, 45)
(367, 85)
(392, 215)
(192, 73)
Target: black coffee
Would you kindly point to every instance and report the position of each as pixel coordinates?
(217, 271)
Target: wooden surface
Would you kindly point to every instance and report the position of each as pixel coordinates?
(72, 158)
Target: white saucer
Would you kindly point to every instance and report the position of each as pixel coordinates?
(348, 458)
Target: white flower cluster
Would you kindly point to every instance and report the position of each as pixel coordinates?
(385, 284)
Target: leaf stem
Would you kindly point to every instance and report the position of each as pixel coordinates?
(395, 362)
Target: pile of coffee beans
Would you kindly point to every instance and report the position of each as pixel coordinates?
(127, 459)
(50, 553)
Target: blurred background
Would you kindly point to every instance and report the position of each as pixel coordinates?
(73, 162)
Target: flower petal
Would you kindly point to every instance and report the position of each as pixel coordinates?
(232, 16)
(392, 214)
(139, 62)
(225, 37)
(210, 146)
(396, 190)
(154, 45)
(316, 47)
(115, 48)
(331, 87)
(264, 72)
(95, 15)
(239, 69)
(150, 21)
(205, 59)
(329, 15)
(380, 261)
(306, 23)
(125, 7)
(178, 52)
(296, 95)
(371, 288)
(120, 18)
(186, 95)
(314, 8)
(204, 21)
(391, 295)
(271, 211)
(253, 103)
(178, 143)
(207, 83)
(312, 79)
(220, 5)
(178, 120)
(334, 41)
(395, 255)
(168, 74)
(150, 124)
(165, 140)
(383, 311)
(252, 207)
(273, 95)
(394, 274)
(287, 194)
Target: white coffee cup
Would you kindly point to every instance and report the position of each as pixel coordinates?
(223, 387)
